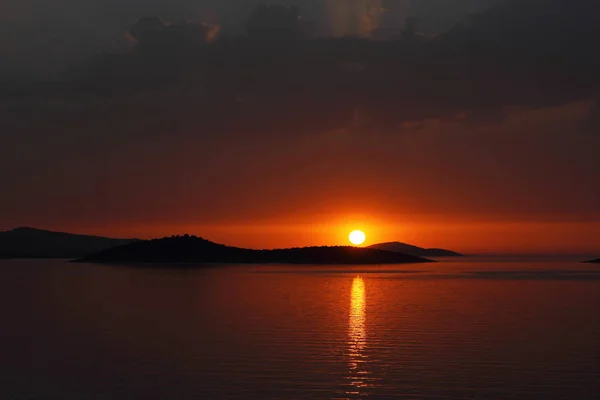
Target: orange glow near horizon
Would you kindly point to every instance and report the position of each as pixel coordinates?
(469, 237)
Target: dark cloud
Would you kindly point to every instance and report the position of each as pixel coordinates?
(527, 53)
(39, 37)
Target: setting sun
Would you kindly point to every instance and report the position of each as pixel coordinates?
(357, 237)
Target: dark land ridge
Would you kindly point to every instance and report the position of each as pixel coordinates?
(38, 243)
(192, 249)
(596, 261)
(404, 248)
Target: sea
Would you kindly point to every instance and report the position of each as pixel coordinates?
(456, 329)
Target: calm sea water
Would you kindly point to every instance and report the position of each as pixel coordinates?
(451, 330)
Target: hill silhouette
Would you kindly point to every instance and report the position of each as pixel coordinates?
(37, 243)
(596, 261)
(192, 249)
(405, 248)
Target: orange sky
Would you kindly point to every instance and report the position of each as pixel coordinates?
(494, 237)
(527, 183)
(437, 187)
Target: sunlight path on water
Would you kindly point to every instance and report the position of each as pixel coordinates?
(357, 338)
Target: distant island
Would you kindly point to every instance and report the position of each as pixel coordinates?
(596, 261)
(38, 243)
(192, 249)
(409, 249)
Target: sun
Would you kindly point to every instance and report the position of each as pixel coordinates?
(357, 237)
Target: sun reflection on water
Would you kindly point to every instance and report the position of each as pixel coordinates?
(357, 338)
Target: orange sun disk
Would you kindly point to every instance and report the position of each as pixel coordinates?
(357, 237)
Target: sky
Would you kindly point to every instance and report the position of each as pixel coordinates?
(42, 37)
(483, 142)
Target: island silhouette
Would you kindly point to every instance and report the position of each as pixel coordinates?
(27, 242)
(596, 261)
(405, 248)
(193, 249)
